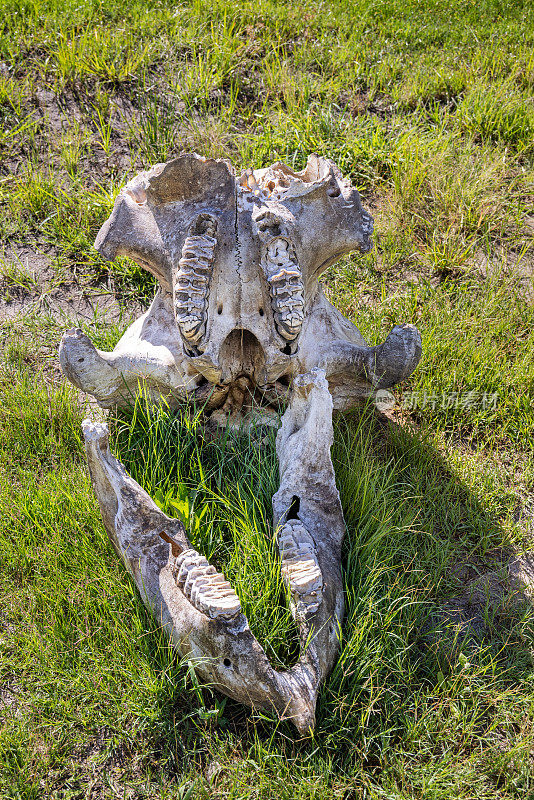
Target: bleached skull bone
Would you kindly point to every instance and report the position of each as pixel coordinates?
(240, 314)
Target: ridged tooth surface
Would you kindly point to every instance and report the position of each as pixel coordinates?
(200, 581)
(191, 285)
(300, 568)
(207, 590)
(186, 562)
(216, 607)
(200, 571)
(286, 287)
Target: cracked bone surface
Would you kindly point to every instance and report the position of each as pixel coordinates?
(238, 260)
(240, 322)
(198, 607)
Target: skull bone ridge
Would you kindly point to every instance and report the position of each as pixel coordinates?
(239, 314)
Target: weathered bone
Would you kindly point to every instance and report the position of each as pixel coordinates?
(242, 257)
(308, 508)
(240, 318)
(150, 351)
(198, 607)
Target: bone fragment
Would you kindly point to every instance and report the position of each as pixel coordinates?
(149, 353)
(383, 365)
(307, 511)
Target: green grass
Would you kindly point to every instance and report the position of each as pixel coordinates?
(428, 107)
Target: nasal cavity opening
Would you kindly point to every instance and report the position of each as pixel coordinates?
(241, 354)
(294, 508)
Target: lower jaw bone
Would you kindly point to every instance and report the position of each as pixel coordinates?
(197, 606)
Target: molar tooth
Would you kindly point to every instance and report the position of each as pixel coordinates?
(223, 590)
(296, 560)
(289, 547)
(217, 598)
(189, 282)
(206, 589)
(192, 279)
(284, 277)
(284, 274)
(300, 569)
(191, 326)
(196, 572)
(192, 560)
(202, 583)
(184, 556)
(220, 607)
(305, 580)
(188, 305)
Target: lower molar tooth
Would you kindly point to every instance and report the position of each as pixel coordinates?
(184, 556)
(215, 605)
(199, 584)
(185, 565)
(207, 590)
(197, 573)
(300, 569)
(306, 581)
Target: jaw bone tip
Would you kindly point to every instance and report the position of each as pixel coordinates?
(304, 721)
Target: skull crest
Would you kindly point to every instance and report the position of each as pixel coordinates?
(240, 321)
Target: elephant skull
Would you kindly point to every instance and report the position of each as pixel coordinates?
(240, 320)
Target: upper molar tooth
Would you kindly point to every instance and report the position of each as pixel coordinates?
(192, 277)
